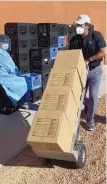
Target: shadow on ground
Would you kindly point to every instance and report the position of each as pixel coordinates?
(29, 159)
(98, 119)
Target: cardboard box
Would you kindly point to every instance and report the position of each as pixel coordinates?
(72, 59)
(60, 100)
(67, 79)
(51, 131)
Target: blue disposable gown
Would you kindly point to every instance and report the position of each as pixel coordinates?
(11, 80)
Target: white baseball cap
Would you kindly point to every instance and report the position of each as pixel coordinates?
(82, 19)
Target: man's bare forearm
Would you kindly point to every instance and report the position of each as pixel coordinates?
(99, 55)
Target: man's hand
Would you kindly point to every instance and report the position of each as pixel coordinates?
(86, 62)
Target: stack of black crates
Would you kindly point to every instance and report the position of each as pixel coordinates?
(34, 48)
(24, 37)
(40, 60)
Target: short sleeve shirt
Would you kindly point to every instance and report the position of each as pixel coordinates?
(90, 46)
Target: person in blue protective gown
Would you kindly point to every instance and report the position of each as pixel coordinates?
(16, 87)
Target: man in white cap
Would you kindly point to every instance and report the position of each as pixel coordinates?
(93, 47)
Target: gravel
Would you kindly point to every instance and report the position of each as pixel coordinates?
(27, 168)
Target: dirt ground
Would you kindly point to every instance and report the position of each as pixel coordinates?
(27, 168)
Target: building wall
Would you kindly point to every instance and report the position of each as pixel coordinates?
(60, 12)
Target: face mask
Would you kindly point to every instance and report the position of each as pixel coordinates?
(79, 30)
(5, 46)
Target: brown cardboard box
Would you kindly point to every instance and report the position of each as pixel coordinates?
(51, 131)
(72, 59)
(61, 100)
(65, 79)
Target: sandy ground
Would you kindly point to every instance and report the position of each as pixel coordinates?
(27, 168)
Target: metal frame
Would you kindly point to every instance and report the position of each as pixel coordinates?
(77, 125)
(78, 118)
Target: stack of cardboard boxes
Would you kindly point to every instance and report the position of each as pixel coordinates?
(54, 123)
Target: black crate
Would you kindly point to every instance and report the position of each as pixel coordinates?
(39, 54)
(16, 29)
(35, 55)
(19, 44)
(14, 57)
(32, 30)
(48, 41)
(38, 67)
(47, 29)
(24, 68)
(36, 95)
(71, 30)
(45, 77)
(62, 30)
(33, 43)
(20, 58)
(23, 58)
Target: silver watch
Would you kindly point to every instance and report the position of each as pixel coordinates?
(90, 60)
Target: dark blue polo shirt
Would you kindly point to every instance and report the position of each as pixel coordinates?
(90, 46)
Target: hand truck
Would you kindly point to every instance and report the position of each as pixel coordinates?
(78, 150)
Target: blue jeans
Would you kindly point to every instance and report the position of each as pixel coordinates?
(93, 83)
(25, 99)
